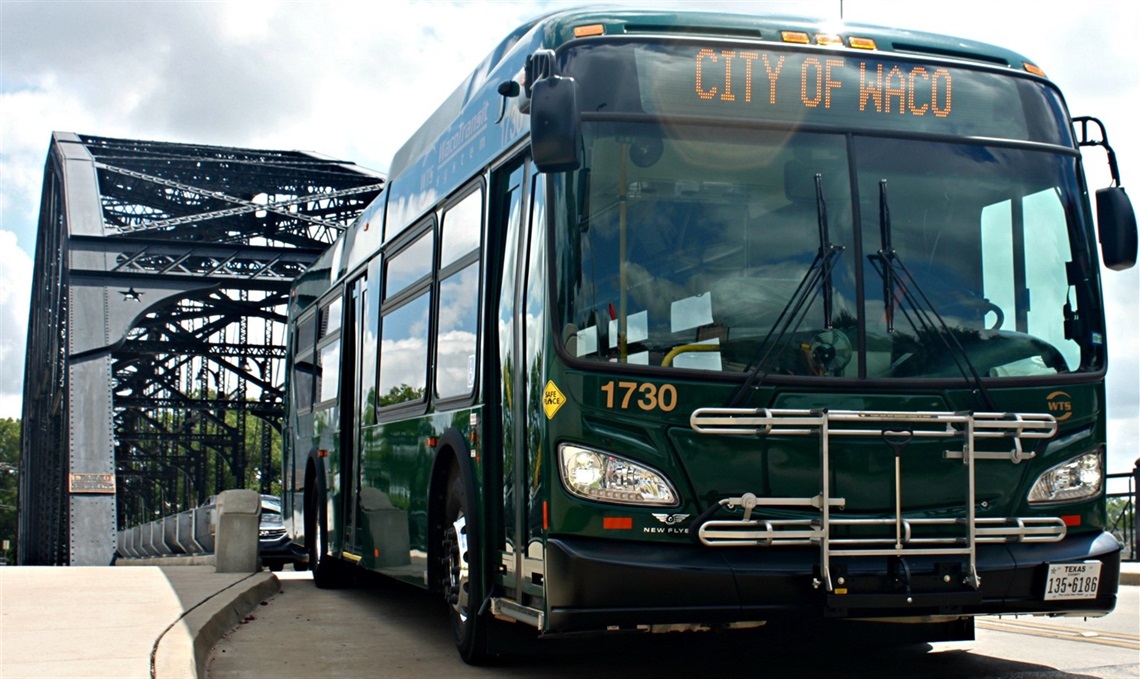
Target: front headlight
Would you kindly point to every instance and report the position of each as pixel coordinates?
(604, 477)
(1078, 479)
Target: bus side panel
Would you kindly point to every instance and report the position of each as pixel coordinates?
(395, 471)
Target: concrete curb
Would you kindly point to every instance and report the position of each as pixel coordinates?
(186, 560)
(1130, 573)
(184, 649)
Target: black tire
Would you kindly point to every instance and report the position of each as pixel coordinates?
(463, 577)
(276, 567)
(327, 571)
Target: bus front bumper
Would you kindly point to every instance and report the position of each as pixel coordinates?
(594, 584)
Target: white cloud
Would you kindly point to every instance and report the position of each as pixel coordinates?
(15, 292)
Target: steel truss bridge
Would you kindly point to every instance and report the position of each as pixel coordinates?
(156, 338)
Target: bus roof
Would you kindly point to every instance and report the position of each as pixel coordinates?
(561, 27)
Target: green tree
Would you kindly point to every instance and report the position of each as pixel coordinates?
(1122, 522)
(9, 483)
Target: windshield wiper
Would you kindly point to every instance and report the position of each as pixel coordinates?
(816, 281)
(826, 248)
(922, 314)
(886, 254)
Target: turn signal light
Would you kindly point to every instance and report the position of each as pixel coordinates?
(589, 30)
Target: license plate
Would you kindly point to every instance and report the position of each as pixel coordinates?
(1072, 580)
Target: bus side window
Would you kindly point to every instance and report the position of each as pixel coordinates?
(303, 368)
(404, 325)
(458, 319)
(369, 344)
(327, 373)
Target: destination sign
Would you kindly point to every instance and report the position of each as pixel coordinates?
(907, 90)
(851, 90)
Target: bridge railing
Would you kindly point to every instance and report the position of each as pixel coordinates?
(1123, 499)
(188, 533)
(191, 533)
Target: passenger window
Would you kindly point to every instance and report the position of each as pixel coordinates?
(330, 317)
(411, 264)
(462, 226)
(458, 327)
(404, 352)
(458, 318)
(327, 373)
(303, 368)
(306, 335)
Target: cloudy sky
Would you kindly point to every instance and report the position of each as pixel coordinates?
(354, 79)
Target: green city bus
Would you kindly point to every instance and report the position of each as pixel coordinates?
(690, 321)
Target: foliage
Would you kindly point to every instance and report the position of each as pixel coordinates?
(402, 394)
(1122, 521)
(218, 447)
(9, 483)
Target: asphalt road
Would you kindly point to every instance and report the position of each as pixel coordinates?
(385, 629)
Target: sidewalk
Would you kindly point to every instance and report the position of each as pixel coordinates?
(140, 622)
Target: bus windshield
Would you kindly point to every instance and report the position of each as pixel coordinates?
(729, 248)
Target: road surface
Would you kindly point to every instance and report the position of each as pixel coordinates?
(386, 629)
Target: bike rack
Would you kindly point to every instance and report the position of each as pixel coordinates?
(897, 429)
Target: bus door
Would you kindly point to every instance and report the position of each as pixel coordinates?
(506, 387)
(350, 404)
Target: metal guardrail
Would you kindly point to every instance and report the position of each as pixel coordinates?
(1122, 518)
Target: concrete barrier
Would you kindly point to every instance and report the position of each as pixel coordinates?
(170, 534)
(152, 539)
(185, 533)
(203, 533)
(235, 542)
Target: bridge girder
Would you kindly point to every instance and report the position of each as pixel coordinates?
(157, 327)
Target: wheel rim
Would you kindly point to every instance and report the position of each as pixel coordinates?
(458, 571)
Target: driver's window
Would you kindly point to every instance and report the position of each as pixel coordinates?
(1022, 240)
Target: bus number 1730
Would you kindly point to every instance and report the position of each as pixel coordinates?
(649, 396)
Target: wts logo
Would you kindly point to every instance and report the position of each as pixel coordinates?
(1060, 405)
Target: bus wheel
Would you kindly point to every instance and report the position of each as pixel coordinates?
(462, 590)
(326, 570)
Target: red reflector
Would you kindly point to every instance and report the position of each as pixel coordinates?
(322, 453)
(432, 441)
(617, 523)
(545, 516)
(1072, 520)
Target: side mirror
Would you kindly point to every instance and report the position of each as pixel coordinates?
(1116, 226)
(1115, 218)
(555, 125)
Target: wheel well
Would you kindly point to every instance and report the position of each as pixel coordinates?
(309, 522)
(445, 463)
